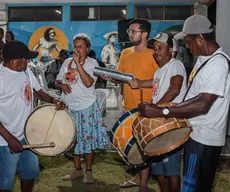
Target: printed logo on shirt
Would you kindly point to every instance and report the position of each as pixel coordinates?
(155, 86)
(27, 93)
(72, 74)
(71, 77)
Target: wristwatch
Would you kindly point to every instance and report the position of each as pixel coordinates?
(166, 111)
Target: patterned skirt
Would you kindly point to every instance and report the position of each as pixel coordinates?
(90, 129)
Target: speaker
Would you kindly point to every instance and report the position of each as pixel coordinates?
(123, 25)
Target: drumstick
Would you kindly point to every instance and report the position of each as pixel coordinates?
(141, 95)
(50, 126)
(43, 145)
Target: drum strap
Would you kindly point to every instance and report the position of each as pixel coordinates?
(198, 70)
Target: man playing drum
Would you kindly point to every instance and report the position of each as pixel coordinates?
(17, 84)
(206, 104)
(169, 85)
(136, 60)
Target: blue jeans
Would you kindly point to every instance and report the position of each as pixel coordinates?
(169, 165)
(25, 162)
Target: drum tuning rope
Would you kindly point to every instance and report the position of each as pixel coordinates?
(50, 126)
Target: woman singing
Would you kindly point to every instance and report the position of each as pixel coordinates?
(77, 82)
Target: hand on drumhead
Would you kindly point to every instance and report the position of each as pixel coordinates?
(14, 144)
(135, 83)
(150, 110)
(59, 104)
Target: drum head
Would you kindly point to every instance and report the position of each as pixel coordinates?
(47, 125)
(136, 156)
(167, 141)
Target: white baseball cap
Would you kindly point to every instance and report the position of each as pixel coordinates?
(196, 24)
(162, 38)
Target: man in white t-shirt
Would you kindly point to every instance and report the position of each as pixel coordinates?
(17, 84)
(169, 85)
(206, 105)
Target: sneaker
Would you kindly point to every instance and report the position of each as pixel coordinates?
(74, 174)
(88, 178)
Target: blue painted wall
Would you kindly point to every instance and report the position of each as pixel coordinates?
(94, 29)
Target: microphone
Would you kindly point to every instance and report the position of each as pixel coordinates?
(71, 52)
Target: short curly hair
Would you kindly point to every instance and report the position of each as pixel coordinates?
(84, 37)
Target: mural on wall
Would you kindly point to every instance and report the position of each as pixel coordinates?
(109, 53)
(31, 32)
(99, 31)
(48, 40)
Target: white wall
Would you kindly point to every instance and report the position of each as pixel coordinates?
(223, 25)
(200, 9)
(222, 30)
(2, 6)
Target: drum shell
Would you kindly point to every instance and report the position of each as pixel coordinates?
(124, 142)
(153, 134)
(62, 131)
(114, 74)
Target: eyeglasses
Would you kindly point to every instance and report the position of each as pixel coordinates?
(132, 31)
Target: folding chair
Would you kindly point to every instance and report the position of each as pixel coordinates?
(102, 96)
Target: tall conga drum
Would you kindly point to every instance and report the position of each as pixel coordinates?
(47, 125)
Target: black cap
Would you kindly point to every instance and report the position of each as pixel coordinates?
(63, 52)
(17, 50)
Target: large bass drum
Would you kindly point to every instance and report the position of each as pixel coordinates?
(45, 125)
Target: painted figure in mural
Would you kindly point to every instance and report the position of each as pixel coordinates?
(109, 53)
(9, 36)
(46, 44)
